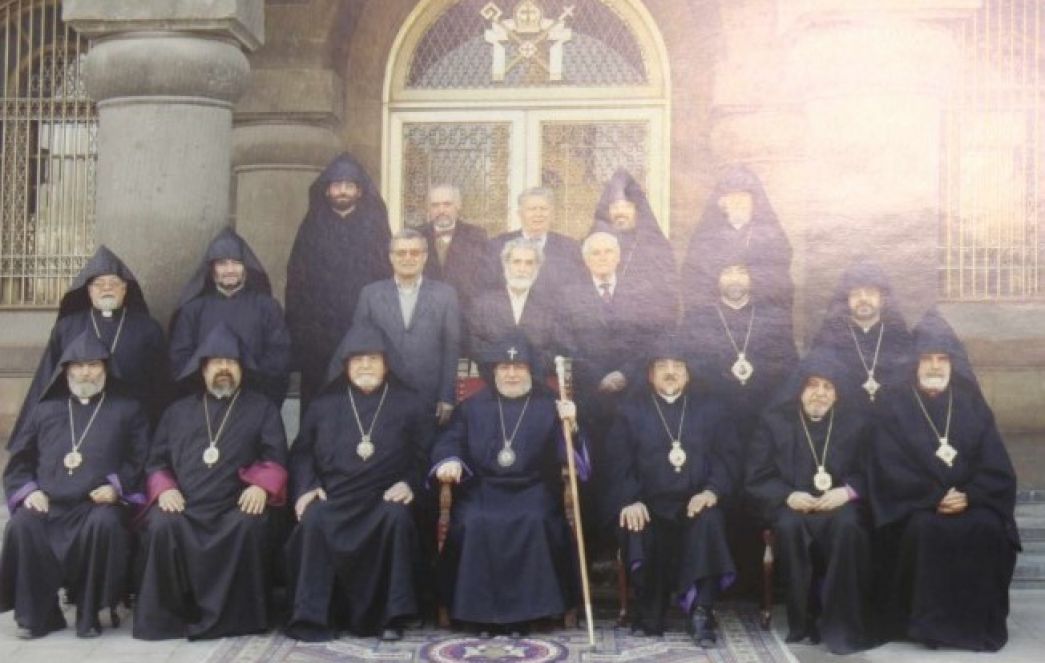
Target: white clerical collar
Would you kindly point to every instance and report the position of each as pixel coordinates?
(868, 328)
(107, 312)
(670, 399)
(407, 289)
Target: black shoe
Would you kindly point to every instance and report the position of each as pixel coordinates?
(307, 632)
(702, 625)
(813, 633)
(794, 637)
(89, 632)
(391, 634)
(637, 631)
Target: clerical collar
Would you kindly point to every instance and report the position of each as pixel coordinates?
(108, 313)
(344, 215)
(867, 329)
(671, 399)
(88, 401)
(230, 293)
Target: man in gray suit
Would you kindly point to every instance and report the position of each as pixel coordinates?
(420, 321)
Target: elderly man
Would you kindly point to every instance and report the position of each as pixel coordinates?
(74, 468)
(646, 268)
(217, 462)
(866, 331)
(668, 475)
(806, 471)
(106, 300)
(738, 219)
(356, 469)
(420, 321)
(943, 489)
(457, 249)
(517, 307)
(562, 255)
(231, 287)
(340, 247)
(507, 558)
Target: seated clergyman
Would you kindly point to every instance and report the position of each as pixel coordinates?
(806, 472)
(216, 463)
(943, 491)
(669, 469)
(507, 558)
(355, 470)
(74, 468)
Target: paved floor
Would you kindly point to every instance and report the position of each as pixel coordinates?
(1026, 643)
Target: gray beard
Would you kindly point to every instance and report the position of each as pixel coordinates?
(933, 383)
(222, 391)
(515, 392)
(85, 390)
(519, 283)
(107, 304)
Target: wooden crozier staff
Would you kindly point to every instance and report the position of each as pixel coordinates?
(560, 371)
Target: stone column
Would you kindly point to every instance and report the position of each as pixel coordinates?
(165, 76)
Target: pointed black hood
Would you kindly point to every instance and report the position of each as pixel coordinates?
(864, 273)
(344, 167)
(226, 245)
(83, 348)
(739, 178)
(933, 334)
(360, 339)
(622, 186)
(221, 342)
(820, 362)
(103, 262)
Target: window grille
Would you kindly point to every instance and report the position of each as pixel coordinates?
(991, 175)
(48, 131)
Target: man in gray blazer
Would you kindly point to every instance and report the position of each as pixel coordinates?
(420, 320)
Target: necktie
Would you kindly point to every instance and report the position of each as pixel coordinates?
(607, 296)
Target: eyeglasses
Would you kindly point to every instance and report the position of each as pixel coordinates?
(413, 253)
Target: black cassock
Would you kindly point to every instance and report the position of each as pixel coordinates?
(843, 338)
(135, 341)
(252, 312)
(948, 574)
(674, 553)
(508, 557)
(332, 259)
(205, 569)
(828, 553)
(353, 556)
(77, 544)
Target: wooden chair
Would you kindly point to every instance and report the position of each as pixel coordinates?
(470, 382)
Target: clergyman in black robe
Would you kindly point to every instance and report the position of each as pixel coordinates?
(669, 472)
(69, 493)
(216, 466)
(508, 556)
(341, 245)
(745, 346)
(738, 219)
(230, 287)
(943, 491)
(106, 299)
(807, 473)
(355, 469)
(865, 329)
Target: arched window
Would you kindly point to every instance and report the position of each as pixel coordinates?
(47, 155)
(499, 95)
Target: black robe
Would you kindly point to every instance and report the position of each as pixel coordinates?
(205, 569)
(332, 259)
(352, 557)
(947, 575)
(252, 313)
(138, 356)
(837, 334)
(834, 545)
(674, 553)
(508, 556)
(761, 244)
(77, 544)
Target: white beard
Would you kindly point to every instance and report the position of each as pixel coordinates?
(519, 283)
(934, 382)
(107, 304)
(817, 411)
(515, 391)
(85, 390)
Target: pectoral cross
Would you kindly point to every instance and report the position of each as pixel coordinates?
(511, 353)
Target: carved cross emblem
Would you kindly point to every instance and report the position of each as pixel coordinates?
(512, 352)
(528, 30)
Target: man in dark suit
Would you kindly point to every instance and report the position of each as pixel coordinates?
(562, 255)
(420, 320)
(518, 306)
(457, 249)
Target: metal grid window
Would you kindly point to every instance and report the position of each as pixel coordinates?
(47, 155)
(991, 175)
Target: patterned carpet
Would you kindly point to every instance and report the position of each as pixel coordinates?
(740, 641)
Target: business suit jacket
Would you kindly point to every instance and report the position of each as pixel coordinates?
(424, 353)
(490, 320)
(465, 260)
(563, 264)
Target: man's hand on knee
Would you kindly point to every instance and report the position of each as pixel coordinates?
(634, 517)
